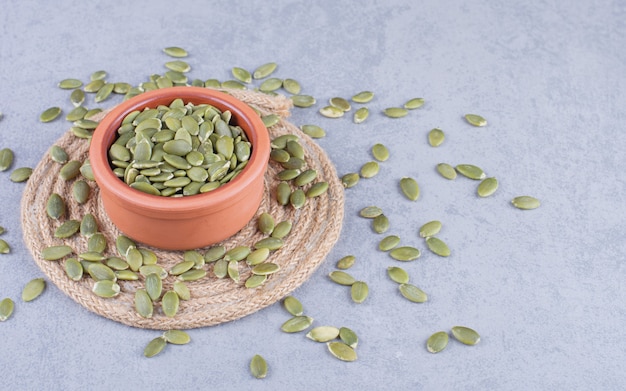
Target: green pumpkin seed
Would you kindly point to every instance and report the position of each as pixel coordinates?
(525, 202)
(297, 199)
(475, 119)
(99, 272)
(388, 243)
(146, 270)
(487, 187)
(431, 228)
(369, 169)
(89, 226)
(155, 347)
(81, 191)
(177, 337)
(363, 97)
(70, 170)
(178, 66)
(283, 192)
(86, 124)
(342, 278)
(437, 342)
(78, 112)
(70, 84)
(170, 304)
(121, 88)
(293, 306)
(380, 152)
(264, 70)
(280, 142)
(104, 92)
(232, 269)
(98, 75)
(282, 229)
(395, 112)
(317, 189)
(143, 303)
(414, 103)
(346, 262)
(181, 267)
(292, 86)
(271, 84)
(182, 290)
(348, 337)
(67, 229)
(340, 103)
(106, 288)
(192, 275)
(270, 120)
(94, 85)
(58, 154)
(380, 224)
(297, 324)
(92, 256)
(270, 243)
(331, 112)
(370, 212)
(6, 159)
(21, 174)
(361, 115)
(214, 253)
(92, 112)
(154, 286)
(303, 100)
(359, 291)
(54, 253)
(313, 131)
(342, 351)
(257, 256)
(265, 223)
(6, 308)
(436, 137)
(255, 281)
(4, 247)
(446, 171)
(116, 263)
(33, 289)
(323, 333)
(241, 74)
(97, 243)
(50, 114)
(471, 171)
(465, 335)
(410, 188)
(258, 367)
(397, 274)
(73, 269)
(413, 293)
(266, 268)
(174, 51)
(405, 253)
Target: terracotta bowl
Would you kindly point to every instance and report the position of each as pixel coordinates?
(191, 221)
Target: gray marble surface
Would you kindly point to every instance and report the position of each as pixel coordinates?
(545, 288)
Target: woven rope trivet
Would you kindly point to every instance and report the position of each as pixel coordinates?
(316, 228)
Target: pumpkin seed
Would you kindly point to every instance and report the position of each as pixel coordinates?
(67, 229)
(21, 174)
(58, 154)
(361, 115)
(380, 224)
(350, 180)
(92, 112)
(283, 192)
(405, 253)
(258, 256)
(414, 103)
(178, 66)
(395, 112)
(437, 342)
(106, 288)
(431, 228)
(293, 306)
(313, 131)
(97, 243)
(340, 103)
(287, 175)
(193, 275)
(6, 308)
(255, 281)
(182, 290)
(89, 226)
(271, 84)
(331, 112)
(143, 303)
(265, 223)
(266, 268)
(380, 152)
(116, 263)
(487, 187)
(270, 120)
(154, 286)
(370, 212)
(233, 270)
(525, 202)
(94, 85)
(33, 289)
(471, 171)
(436, 137)
(342, 278)
(359, 291)
(155, 347)
(81, 191)
(317, 189)
(475, 119)
(92, 256)
(170, 304)
(297, 324)
(70, 84)
(50, 114)
(342, 351)
(98, 75)
(323, 333)
(4, 247)
(79, 111)
(73, 269)
(241, 74)
(369, 169)
(264, 70)
(2, 230)
(177, 337)
(346, 262)
(410, 188)
(181, 267)
(174, 51)
(54, 253)
(413, 293)
(258, 367)
(70, 170)
(282, 229)
(297, 199)
(271, 243)
(397, 274)
(388, 243)
(465, 335)
(363, 97)
(6, 158)
(348, 337)
(214, 253)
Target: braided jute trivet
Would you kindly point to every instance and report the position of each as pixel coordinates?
(316, 228)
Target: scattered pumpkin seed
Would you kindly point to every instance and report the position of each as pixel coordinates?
(389, 243)
(121, 88)
(405, 253)
(297, 324)
(369, 169)
(170, 303)
(155, 347)
(340, 103)
(265, 223)
(104, 92)
(342, 351)
(446, 171)
(193, 275)
(346, 262)
(81, 191)
(397, 274)
(70, 170)
(96, 243)
(143, 303)
(182, 290)
(177, 337)
(380, 152)
(73, 269)
(437, 246)
(313, 131)
(264, 70)
(6, 158)
(361, 115)
(331, 112)
(293, 306)
(178, 66)
(342, 278)
(487, 187)
(437, 342)
(50, 114)
(348, 337)
(471, 171)
(363, 97)
(525, 202)
(465, 335)
(258, 367)
(106, 288)
(89, 226)
(174, 51)
(4, 247)
(317, 189)
(58, 154)
(6, 308)
(116, 263)
(241, 74)
(282, 229)
(67, 229)
(414, 103)
(92, 256)
(233, 270)
(270, 120)
(297, 199)
(70, 84)
(258, 256)
(214, 253)
(54, 253)
(431, 228)
(359, 291)
(33, 289)
(410, 188)
(350, 180)
(323, 333)
(292, 86)
(98, 75)
(380, 224)
(395, 112)
(271, 84)
(94, 86)
(271, 243)
(475, 119)
(266, 268)
(77, 112)
(436, 137)
(21, 174)
(370, 212)
(413, 293)
(154, 286)
(255, 281)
